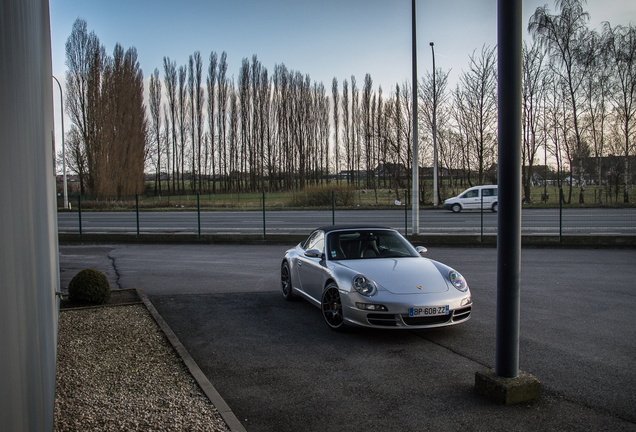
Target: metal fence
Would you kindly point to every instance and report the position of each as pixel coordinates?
(190, 216)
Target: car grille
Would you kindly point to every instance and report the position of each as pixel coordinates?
(439, 319)
(384, 320)
(461, 314)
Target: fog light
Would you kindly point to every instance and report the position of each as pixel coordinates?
(371, 307)
(465, 301)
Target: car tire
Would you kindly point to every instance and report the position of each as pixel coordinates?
(456, 208)
(495, 207)
(285, 282)
(331, 305)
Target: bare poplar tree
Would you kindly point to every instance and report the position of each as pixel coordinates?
(355, 130)
(199, 97)
(155, 118)
(183, 111)
(211, 84)
(85, 58)
(367, 90)
(245, 110)
(345, 116)
(222, 115)
(336, 126)
(170, 78)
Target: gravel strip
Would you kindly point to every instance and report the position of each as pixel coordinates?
(117, 371)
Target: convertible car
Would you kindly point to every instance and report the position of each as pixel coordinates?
(373, 277)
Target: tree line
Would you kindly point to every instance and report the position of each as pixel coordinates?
(281, 131)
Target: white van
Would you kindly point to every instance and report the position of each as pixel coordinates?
(471, 199)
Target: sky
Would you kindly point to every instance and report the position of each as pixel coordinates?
(324, 39)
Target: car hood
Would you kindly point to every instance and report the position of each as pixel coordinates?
(401, 275)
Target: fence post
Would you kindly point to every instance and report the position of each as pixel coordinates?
(137, 211)
(481, 193)
(406, 214)
(560, 215)
(199, 214)
(264, 231)
(79, 213)
(333, 207)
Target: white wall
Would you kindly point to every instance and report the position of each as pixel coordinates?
(29, 270)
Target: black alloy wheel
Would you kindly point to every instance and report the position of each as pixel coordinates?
(285, 282)
(332, 308)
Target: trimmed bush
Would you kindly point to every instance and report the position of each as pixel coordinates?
(89, 285)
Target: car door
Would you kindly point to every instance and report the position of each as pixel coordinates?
(311, 269)
(470, 199)
(489, 197)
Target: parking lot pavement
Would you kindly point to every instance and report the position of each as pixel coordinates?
(280, 368)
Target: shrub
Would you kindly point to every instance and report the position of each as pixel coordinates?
(89, 285)
(320, 196)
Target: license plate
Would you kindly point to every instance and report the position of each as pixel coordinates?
(428, 311)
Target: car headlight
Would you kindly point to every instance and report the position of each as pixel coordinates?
(458, 280)
(364, 285)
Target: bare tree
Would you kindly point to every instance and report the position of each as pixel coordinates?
(532, 71)
(199, 100)
(336, 126)
(170, 78)
(211, 85)
(182, 119)
(155, 118)
(124, 125)
(85, 58)
(565, 36)
(222, 115)
(596, 91)
(621, 46)
(478, 105)
(366, 126)
(433, 99)
(345, 116)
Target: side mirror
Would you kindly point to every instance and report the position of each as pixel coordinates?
(313, 253)
(421, 250)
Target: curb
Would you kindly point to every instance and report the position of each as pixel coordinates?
(219, 403)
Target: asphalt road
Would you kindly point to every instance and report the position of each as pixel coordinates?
(280, 368)
(542, 222)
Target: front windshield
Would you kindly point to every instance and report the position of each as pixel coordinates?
(368, 244)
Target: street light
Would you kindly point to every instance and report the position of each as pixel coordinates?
(416, 166)
(435, 201)
(63, 147)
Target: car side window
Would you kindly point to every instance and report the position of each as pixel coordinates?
(486, 192)
(471, 194)
(316, 241)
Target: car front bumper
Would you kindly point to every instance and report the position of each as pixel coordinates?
(397, 314)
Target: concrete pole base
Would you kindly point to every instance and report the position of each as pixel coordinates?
(507, 391)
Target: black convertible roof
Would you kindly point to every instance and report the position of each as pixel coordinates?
(329, 228)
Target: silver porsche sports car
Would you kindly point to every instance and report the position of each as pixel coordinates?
(373, 277)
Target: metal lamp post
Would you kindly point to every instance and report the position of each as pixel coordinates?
(435, 200)
(416, 183)
(63, 146)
